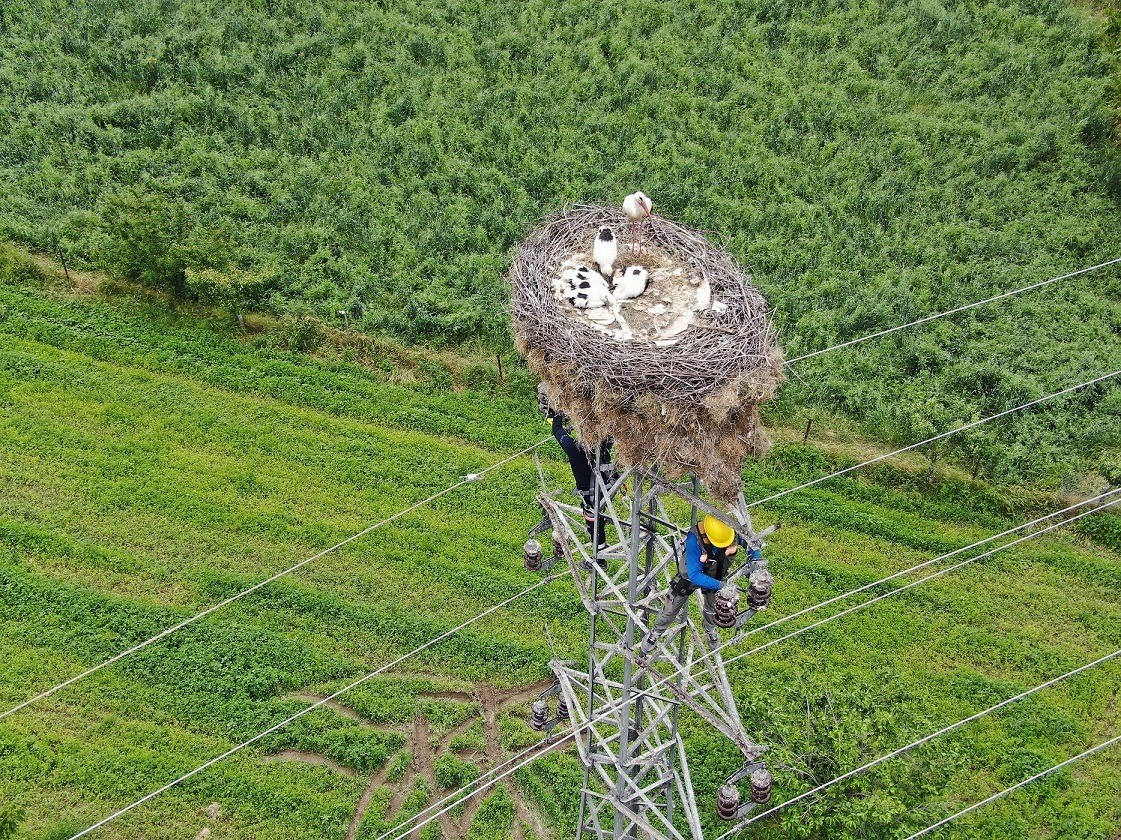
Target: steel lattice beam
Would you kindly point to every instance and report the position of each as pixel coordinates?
(636, 772)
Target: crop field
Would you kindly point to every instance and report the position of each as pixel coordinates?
(155, 462)
(872, 161)
(251, 305)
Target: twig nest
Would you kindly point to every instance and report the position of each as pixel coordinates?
(674, 374)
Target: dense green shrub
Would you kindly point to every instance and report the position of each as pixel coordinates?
(873, 163)
(144, 241)
(296, 333)
(10, 818)
(231, 289)
(16, 268)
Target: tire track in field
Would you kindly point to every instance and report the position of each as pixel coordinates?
(417, 736)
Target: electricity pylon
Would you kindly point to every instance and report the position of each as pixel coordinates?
(626, 704)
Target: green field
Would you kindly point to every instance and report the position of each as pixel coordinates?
(279, 161)
(155, 462)
(873, 162)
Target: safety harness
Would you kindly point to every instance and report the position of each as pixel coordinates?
(714, 563)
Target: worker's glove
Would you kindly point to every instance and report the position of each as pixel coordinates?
(755, 555)
(543, 402)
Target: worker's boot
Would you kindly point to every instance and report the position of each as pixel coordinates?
(600, 561)
(712, 637)
(586, 504)
(648, 644)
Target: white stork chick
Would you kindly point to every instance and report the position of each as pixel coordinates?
(585, 288)
(605, 251)
(631, 283)
(563, 286)
(638, 208)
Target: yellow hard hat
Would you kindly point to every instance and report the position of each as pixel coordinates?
(719, 534)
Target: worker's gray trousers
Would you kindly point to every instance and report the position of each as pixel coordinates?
(675, 604)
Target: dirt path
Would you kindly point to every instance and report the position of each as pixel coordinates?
(492, 703)
(376, 781)
(425, 764)
(345, 711)
(312, 758)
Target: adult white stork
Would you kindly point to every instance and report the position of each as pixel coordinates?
(638, 207)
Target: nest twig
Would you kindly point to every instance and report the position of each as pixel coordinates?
(690, 407)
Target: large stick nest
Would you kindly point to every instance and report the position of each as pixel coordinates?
(685, 406)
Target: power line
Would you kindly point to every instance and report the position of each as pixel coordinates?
(237, 596)
(165, 633)
(1016, 786)
(974, 424)
(816, 481)
(572, 733)
(865, 587)
(310, 708)
(939, 573)
(921, 565)
(926, 738)
(953, 311)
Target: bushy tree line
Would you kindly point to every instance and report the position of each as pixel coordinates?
(872, 162)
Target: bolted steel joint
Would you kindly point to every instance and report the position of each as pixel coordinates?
(727, 802)
(759, 589)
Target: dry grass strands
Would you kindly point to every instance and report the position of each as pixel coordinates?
(687, 407)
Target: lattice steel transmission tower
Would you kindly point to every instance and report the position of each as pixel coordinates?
(626, 704)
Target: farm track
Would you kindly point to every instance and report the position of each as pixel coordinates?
(99, 516)
(418, 741)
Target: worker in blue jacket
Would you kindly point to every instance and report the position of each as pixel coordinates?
(711, 551)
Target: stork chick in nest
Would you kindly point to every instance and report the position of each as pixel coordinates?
(605, 251)
(631, 283)
(583, 287)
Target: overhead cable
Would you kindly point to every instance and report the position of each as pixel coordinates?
(926, 738)
(473, 477)
(783, 620)
(572, 733)
(974, 424)
(163, 634)
(1103, 745)
(310, 708)
(931, 576)
(953, 311)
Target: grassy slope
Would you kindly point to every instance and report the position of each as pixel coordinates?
(154, 464)
(874, 162)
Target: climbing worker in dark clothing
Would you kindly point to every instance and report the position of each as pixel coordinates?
(711, 551)
(583, 464)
